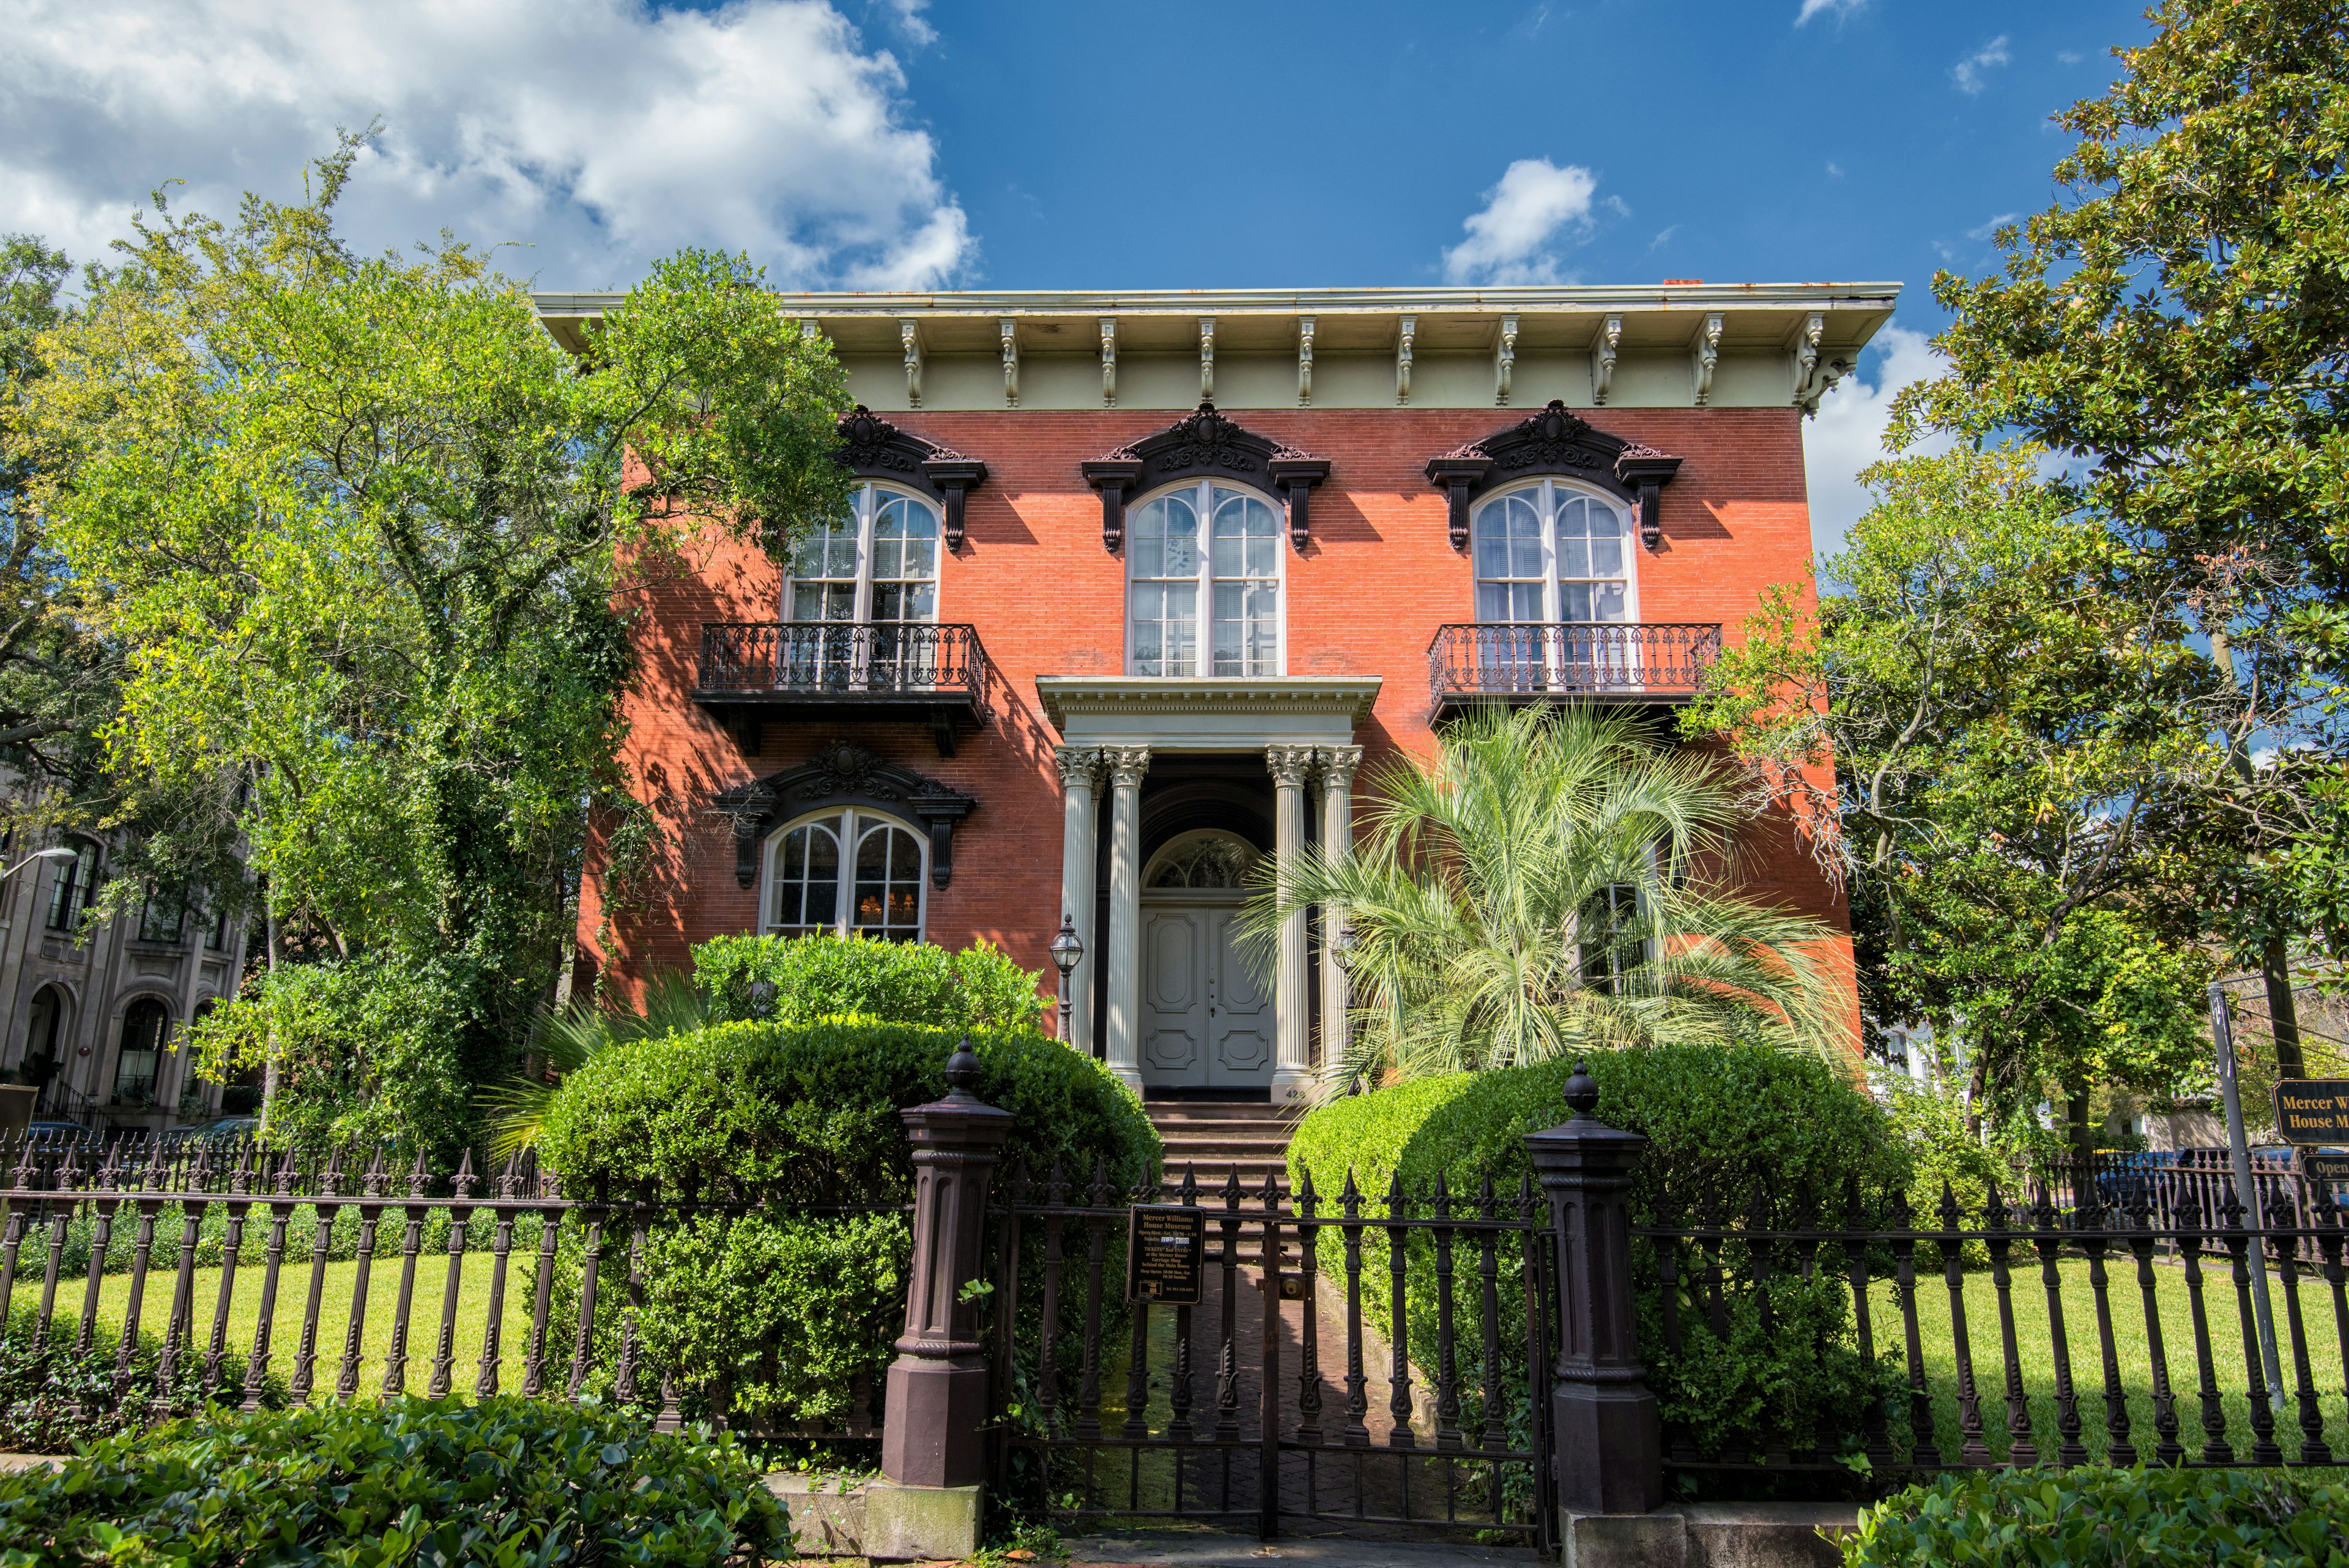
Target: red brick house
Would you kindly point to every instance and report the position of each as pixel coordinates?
(1135, 585)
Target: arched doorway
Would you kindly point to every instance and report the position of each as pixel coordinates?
(139, 1064)
(1207, 1019)
(45, 1033)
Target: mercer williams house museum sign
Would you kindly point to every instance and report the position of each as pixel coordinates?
(1134, 588)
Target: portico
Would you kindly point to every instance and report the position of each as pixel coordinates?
(1303, 729)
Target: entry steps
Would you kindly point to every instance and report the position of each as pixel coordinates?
(1215, 1137)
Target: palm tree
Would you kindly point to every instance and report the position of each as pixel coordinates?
(1552, 883)
(567, 1039)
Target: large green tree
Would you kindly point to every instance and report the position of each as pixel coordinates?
(367, 538)
(2174, 327)
(2008, 746)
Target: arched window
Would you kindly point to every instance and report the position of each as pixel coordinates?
(1208, 858)
(875, 563)
(72, 885)
(1548, 551)
(44, 1036)
(141, 1060)
(847, 872)
(1204, 568)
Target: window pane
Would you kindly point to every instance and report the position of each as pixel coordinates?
(807, 874)
(1163, 600)
(1511, 578)
(904, 560)
(889, 883)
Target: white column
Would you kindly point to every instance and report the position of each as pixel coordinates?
(1338, 765)
(1123, 1038)
(1080, 770)
(1292, 1072)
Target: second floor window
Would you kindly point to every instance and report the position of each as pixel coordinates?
(71, 885)
(877, 563)
(165, 916)
(1204, 568)
(1548, 553)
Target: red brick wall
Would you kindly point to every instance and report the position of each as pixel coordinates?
(1365, 597)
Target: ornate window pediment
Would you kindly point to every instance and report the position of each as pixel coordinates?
(873, 448)
(1555, 443)
(843, 773)
(1205, 445)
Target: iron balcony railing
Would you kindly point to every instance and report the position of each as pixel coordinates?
(1532, 662)
(845, 659)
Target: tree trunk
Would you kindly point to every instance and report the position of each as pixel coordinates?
(2283, 1013)
(2082, 1137)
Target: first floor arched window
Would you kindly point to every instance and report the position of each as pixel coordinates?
(850, 872)
(139, 1063)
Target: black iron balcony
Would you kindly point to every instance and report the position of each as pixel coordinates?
(1553, 663)
(755, 670)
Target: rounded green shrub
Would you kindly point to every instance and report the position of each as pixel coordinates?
(796, 1300)
(504, 1480)
(808, 1114)
(1734, 1132)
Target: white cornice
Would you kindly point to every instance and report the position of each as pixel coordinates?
(1295, 301)
(1067, 697)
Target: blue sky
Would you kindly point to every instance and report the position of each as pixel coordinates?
(927, 143)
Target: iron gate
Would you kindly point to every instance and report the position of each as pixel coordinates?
(1293, 1411)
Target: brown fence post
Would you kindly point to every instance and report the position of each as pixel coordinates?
(1609, 1445)
(933, 1452)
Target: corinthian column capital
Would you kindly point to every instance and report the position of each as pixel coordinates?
(1289, 764)
(1338, 765)
(1126, 764)
(1077, 764)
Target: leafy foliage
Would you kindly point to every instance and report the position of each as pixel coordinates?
(1550, 883)
(1734, 1131)
(2093, 1516)
(2172, 329)
(363, 527)
(506, 1482)
(1981, 729)
(798, 979)
(54, 1398)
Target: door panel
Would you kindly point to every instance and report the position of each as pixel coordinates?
(1173, 996)
(1239, 1026)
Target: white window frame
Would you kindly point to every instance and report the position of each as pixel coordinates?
(1548, 495)
(1202, 494)
(853, 822)
(871, 493)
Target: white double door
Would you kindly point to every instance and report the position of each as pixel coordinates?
(1206, 1019)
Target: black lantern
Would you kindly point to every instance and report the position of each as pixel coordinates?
(1068, 950)
(1342, 948)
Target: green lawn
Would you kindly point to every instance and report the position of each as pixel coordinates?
(335, 1316)
(2035, 1355)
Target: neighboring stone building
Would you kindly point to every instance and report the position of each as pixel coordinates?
(1135, 586)
(97, 1016)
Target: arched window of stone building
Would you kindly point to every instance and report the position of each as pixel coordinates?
(71, 884)
(1208, 858)
(139, 1063)
(44, 1028)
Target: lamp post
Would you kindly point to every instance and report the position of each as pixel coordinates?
(1067, 949)
(57, 852)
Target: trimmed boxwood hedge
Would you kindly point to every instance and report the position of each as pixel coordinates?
(2093, 1515)
(808, 1113)
(1728, 1124)
(506, 1482)
(791, 1306)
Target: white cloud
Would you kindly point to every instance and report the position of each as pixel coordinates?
(1968, 73)
(1991, 227)
(912, 23)
(1847, 433)
(1510, 241)
(597, 132)
(1835, 171)
(1659, 241)
(1838, 9)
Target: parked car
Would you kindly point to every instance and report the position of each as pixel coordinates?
(220, 1129)
(54, 1129)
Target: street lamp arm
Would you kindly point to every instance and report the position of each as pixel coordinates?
(57, 852)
